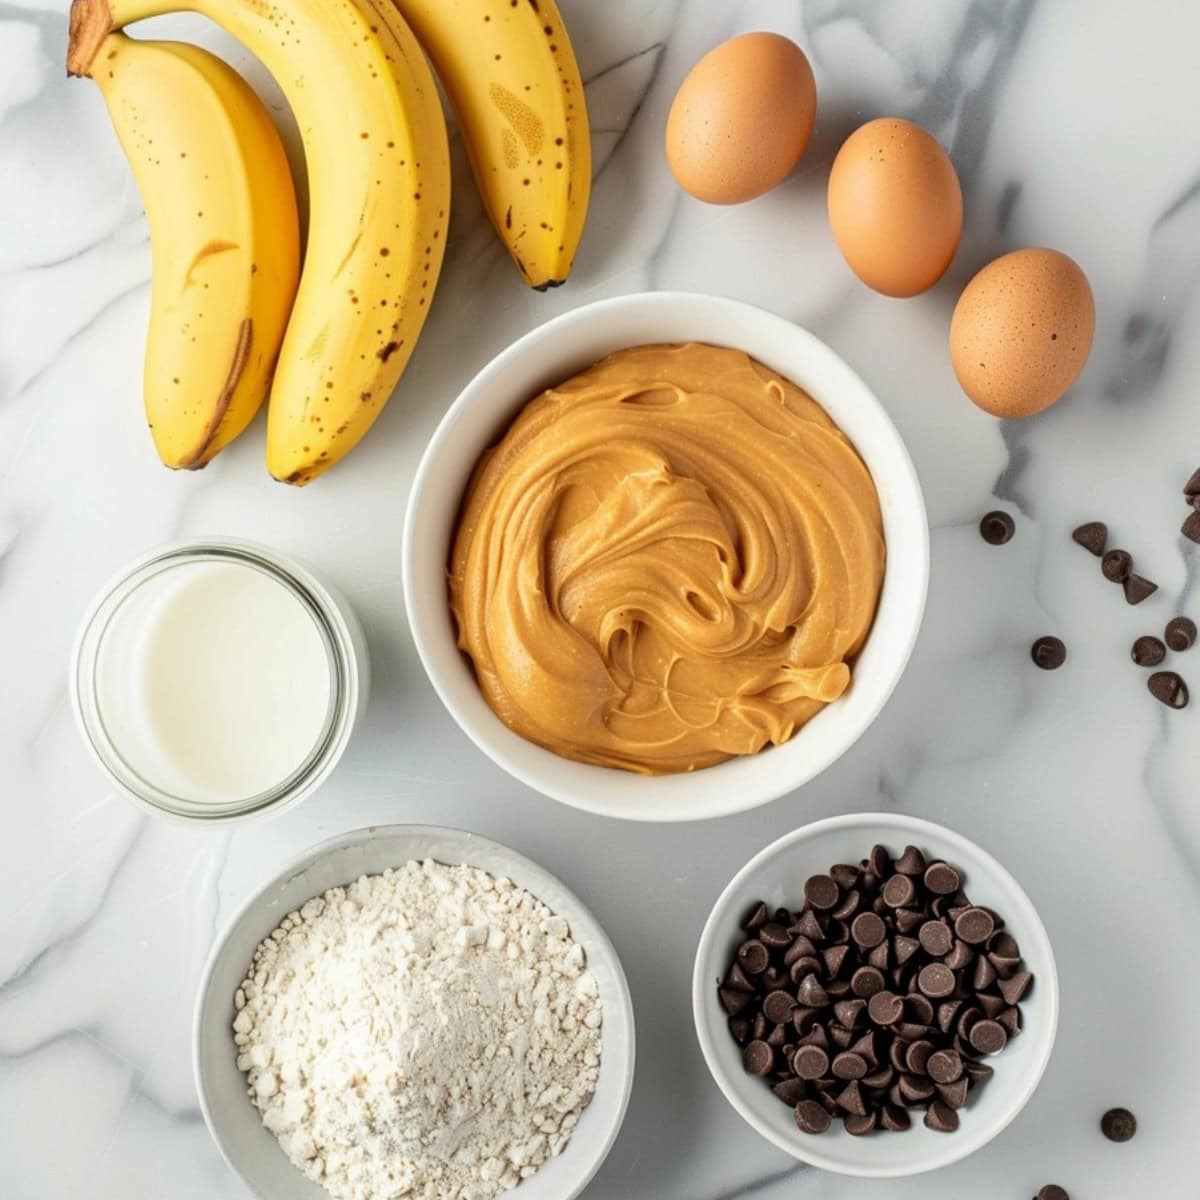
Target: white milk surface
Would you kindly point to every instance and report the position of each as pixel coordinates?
(213, 681)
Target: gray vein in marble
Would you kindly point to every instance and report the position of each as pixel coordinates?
(758, 1185)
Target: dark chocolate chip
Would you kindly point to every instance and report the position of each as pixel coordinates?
(844, 875)
(774, 937)
(941, 879)
(849, 905)
(777, 1038)
(868, 930)
(899, 891)
(858, 1126)
(935, 938)
(918, 1009)
(806, 965)
(778, 1007)
(1014, 988)
(753, 956)
(834, 957)
(880, 861)
(811, 1117)
(865, 1046)
(954, 1095)
(1116, 565)
(944, 1066)
(849, 1065)
(822, 892)
(790, 1091)
(1052, 1192)
(758, 1058)
(740, 1028)
(810, 1062)
(988, 1037)
(880, 958)
(737, 978)
(941, 1118)
(911, 862)
(918, 1055)
(851, 1099)
(936, 980)
(801, 947)
(1191, 489)
(1180, 633)
(1169, 688)
(1191, 526)
(992, 1006)
(866, 981)
(1148, 651)
(1010, 1020)
(809, 926)
(975, 926)
(733, 1000)
(985, 974)
(849, 1012)
(895, 1118)
(915, 1088)
(1138, 588)
(885, 1008)
(976, 1072)
(811, 994)
(1049, 653)
(1118, 1124)
(1092, 536)
(757, 917)
(840, 1036)
(996, 528)
(814, 1037)
(908, 920)
(905, 948)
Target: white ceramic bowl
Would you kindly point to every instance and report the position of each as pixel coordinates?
(251, 1150)
(554, 352)
(777, 875)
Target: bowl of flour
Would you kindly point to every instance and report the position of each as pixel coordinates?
(417, 1012)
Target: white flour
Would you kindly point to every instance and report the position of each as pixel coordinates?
(431, 1032)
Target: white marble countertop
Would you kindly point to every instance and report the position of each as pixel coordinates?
(1073, 123)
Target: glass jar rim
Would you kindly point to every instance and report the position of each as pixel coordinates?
(329, 621)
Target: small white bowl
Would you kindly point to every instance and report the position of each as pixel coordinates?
(234, 1123)
(777, 875)
(555, 351)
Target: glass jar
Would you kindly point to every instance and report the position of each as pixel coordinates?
(111, 634)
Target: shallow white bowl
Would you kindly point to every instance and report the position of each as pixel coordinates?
(251, 1150)
(777, 875)
(554, 352)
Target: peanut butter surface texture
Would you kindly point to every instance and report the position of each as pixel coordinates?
(668, 560)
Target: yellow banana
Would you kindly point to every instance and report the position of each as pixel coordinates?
(224, 236)
(510, 73)
(379, 186)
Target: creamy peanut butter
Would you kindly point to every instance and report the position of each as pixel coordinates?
(669, 559)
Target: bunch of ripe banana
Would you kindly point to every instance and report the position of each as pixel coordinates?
(233, 313)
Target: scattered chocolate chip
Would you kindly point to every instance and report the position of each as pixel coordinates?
(911, 862)
(1168, 687)
(988, 1037)
(1191, 489)
(757, 917)
(867, 981)
(1118, 1124)
(899, 891)
(733, 1000)
(1014, 988)
(1191, 527)
(895, 1118)
(1138, 588)
(1148, 651)
(941, 1118)
(811, 1117)
(849, 1065)
(758, 1058)
(975, 926)
(778, 1007)
(858, 1126)
(1052, 1192)
(851, 1099)
(879, 861)
(810, 1062)
(790, 1091)
(954, 1095)
(868, 930)
(944, 1066)
(996, 528)
(935, 938)
(753, 957)
(1116, 565)
(936, 981)
(941, 879)
(822, 892)
(1093, 537)
(1049, 653)
(885, 1008)
(1180, 633)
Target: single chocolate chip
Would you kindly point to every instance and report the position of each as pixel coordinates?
(790, 1091)
(810, 1062)
(1118, 1124)
(899, 891)
(1191, 527)
(811, 994)
(975, 926)
(844, 875)
(988, 1037)
(917, 1056)
(821, 892)
(809, 926)
(778, 1007)
(996, 528)
(772, 978)
(880, 861)
(976, 1072)
(837, 932)
(737, 978)
(740, 1028)
(905, 948)
(758, 1058)
(941, 879)
(1192, 487)
(807, 965)
(868, 930)
(848, 1065)
(918, 1009)
(1092, 537)
(811, 1117)
(915, 1088)
(936, 980)
(849, 905)
(885, 1008)
(1010, 1020)
(849, 1012)
(801, 947)
(858, 1126)
(935, 938)
(837, 988)
(753, 956)
(911, 862)
(1116, 565)
(1049, 653)
(1148, 651)
(1052, 1192)
(1014, 989)
(881, 1078)
(865, 1046)
(757, 917)
(944, 1066)
(954, 1095)
(814, 1037)
(895, 1118)
(880, 957)
(1180, 633)
(734, 1000)
(777, 1038)
(851, 1099)
(758, 1027)
(834, 957)
(774, 937)
(1138, 588)
(960, 957)
(941, 1118)
(866, 981)
(1168, 687)
(985, 974)
(908, 920)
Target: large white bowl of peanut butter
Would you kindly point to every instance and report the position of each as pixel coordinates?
(666, 557)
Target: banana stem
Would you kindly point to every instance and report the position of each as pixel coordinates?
(91, 22)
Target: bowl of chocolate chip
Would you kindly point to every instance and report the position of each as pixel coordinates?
(875, 995)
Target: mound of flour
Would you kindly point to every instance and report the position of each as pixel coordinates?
(431, 1032)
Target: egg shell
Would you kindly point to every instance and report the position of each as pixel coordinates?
(1021, 331)
(895, 206)
(741, 119)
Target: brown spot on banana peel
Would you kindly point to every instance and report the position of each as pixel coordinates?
(90, 23)
(241, 355)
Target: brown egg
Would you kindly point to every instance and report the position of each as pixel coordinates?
(1021, 332)
(895, 206)
(741, 118)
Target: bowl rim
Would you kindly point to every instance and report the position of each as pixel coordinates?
(309, 857)
(1034, 933)
(488, 732)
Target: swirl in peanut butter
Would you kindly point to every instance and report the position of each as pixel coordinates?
(668, 560)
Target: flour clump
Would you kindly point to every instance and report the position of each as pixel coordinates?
(431, 1033)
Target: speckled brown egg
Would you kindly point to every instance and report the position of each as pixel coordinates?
(895, 206)
(1021, 331)
(741, 119)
